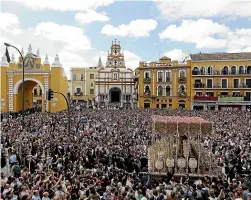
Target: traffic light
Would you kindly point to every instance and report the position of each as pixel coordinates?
(50, 94)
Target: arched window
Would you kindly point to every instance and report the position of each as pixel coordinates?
(195, 71)
(182, 88)
(210, 70)
(224, 71)
(202, 70)
(147, 88)
(233, 70)
(249, 70)
(168, 91)
(160, 90)
(147, 75)
(241, 70)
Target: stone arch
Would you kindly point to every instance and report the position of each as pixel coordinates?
(18, 83)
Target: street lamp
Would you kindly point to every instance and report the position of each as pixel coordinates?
(23, 59)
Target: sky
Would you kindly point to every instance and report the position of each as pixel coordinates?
(80, 31)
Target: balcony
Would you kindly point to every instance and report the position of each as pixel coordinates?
(147, 80)
(182, 94)
(205, 98)
(78, 94)
(230, 99)
(199, 85)
(182, 79)
(147, 94)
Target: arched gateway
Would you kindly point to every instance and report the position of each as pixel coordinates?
(37, 75)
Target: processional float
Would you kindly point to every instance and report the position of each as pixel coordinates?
(176, 145)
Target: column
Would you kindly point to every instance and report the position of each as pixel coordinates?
(10, 84)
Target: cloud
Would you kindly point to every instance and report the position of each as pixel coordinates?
(136, 28)
(203, 8)
(71, 37)
(203, 33)
(91, 16)
(176, 54)
(69, 42)
(131, 59)
(239, 40)
(8, 20)
(64, 5)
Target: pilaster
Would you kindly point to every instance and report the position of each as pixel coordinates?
(46, 87)
(10, 84)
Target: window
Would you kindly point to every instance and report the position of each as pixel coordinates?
(202, 70)
(224, 83)
(159, 76)
(82, 77)
(182, 90)
(168, 76)
(147, 75)
(37, 66)
(233, 70)
(198, 94)
(147, 88)
(195, 71)
(168, 91)
(182, 73)
(74, 77)
(91, 91)
(91, 76)
(160, 90)
(210, 70)
(236, 83)
(241, 70)
(236, 94)
(209, 83)
(225, 71)
(78, 90)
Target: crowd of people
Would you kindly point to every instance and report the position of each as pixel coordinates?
(107, 157)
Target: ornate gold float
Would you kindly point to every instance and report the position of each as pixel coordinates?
(176, 145)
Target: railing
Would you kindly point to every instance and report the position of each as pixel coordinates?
(230, 99)
(147, 80)
(219, 72)
(147, 94)
(182, 94)
(78, 94)
(182, 79)
(205, 98)
(199, 85)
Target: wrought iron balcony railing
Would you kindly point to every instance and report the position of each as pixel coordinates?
(147, 80)
(78, 94)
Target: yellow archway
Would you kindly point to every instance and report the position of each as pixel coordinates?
(28, 95)
(35, 73)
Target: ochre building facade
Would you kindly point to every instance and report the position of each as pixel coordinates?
(38, 75)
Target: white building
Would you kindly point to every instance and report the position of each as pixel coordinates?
(115, 82)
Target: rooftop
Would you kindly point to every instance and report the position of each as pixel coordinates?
(221, 56)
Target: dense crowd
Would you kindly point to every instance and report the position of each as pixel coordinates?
(107, 157)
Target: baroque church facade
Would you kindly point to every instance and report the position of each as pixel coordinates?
(115, 82)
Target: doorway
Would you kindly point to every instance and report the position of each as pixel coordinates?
(115, 94)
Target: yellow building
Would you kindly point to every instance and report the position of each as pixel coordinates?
(164, 84)
(221, 81)
(45, 75)
(82, 83)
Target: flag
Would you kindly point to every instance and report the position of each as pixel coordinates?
(7, 55)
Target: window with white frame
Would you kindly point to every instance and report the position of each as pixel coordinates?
(168, 76)
(82, 77)
(160, 74)
(223, 83)
(160, 90)
(168, 90)
(74, 77)
(182, 74)
(147, 74)
(236, 83)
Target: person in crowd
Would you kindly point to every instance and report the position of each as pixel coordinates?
(107, 157)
